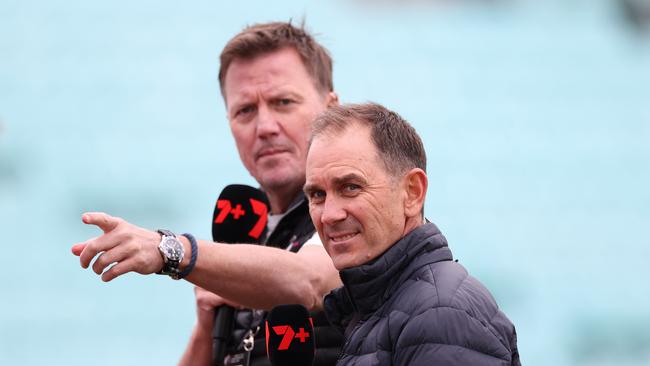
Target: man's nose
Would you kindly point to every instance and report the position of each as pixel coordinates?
(267, 123)
(333, 211)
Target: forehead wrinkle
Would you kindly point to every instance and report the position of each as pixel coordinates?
(265, 92)
(251, 87)
(335, 169)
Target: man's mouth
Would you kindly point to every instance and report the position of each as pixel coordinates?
(270, 152)
(337, 238)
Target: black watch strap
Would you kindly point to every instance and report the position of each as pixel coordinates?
(166, 232)
(170, 266)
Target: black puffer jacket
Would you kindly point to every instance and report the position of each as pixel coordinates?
(415, 306)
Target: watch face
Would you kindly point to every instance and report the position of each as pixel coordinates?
(172, 248)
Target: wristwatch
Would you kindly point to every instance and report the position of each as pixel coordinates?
(172, 252)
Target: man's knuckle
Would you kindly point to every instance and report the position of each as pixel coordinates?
(99, 262)
(140, 262)
(113, 272)
(119, 233)
(91, 247)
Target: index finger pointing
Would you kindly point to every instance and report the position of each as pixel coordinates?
(102, 220)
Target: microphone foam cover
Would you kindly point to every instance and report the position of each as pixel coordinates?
(240, 215)
(290, 336)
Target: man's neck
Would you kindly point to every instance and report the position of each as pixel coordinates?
(413, 223)
(280, 201)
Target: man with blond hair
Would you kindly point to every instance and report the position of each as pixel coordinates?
(275, 79)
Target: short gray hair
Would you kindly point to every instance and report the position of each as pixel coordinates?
(399, 145)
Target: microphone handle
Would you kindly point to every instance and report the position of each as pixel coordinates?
(223, 322)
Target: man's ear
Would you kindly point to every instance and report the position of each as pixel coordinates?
(332, 99)
(415, 186)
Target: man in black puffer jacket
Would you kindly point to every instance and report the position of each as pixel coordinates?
(404, 301)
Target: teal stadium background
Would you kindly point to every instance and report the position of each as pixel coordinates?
(535, 116)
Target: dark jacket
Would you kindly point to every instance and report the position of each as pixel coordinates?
(414, 305)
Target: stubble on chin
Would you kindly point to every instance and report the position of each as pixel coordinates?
(281, 178)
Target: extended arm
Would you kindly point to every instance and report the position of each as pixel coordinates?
(251, 275)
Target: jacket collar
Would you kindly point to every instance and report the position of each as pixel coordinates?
(368, 286)
(298, 208)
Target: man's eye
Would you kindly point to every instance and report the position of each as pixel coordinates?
(316, 196)
(245, 110)
(351, 187)
(284, 101)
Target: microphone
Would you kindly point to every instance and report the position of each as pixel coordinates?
(290, 336)
(240, 216)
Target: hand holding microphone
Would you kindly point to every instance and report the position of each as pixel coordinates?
(240, 216)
